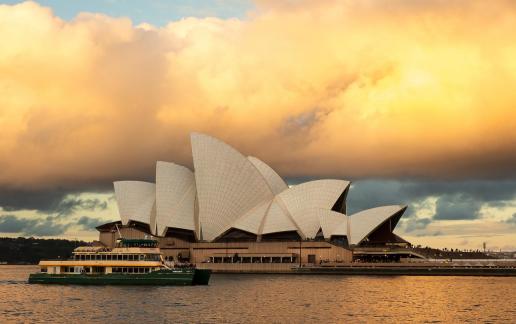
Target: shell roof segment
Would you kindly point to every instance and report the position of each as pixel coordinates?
(365, 222)
(175, 197)
(136, 202)
(228, 190)
(333, 223)
(228, 184)
(275, 182)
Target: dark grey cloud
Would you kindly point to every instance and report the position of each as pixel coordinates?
(296, 129)
(13, 224)
(70, 205)
(457, 206)
(412, 224)
(455, 199)
(89, 223)
(62, 202)
(48, 226)
(53, 206)
(44, 201)
(301, 122)
(512, 220)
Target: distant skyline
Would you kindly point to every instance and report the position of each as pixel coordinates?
(412, 101)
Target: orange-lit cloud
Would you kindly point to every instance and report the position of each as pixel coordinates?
(315, 88)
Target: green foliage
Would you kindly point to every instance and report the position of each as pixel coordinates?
(30, 250)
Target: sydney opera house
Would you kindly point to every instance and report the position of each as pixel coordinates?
(233, 209)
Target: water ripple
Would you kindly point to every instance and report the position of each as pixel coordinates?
(264, 299)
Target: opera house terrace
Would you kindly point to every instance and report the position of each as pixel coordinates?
(235, 212)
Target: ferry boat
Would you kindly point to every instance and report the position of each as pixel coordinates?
(130, 262)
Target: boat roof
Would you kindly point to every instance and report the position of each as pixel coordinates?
(90, 249)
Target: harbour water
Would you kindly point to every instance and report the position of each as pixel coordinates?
(264, 299)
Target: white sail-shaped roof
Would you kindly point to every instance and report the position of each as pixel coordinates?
(308, 221)
(136, 202)
(251, 221)
(228, 184)
(332, 223)
(278, 220)
(313, 194)
(175, 197)
(365, 222)
(228, 190)
(294, 209)
(303, 199)
(275, 182)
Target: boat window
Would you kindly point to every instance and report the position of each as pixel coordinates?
(130, 270)
(142, 256)
(124, 256)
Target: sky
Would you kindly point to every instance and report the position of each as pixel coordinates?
(413, 101)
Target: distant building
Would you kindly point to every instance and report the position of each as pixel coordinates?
(237, 209)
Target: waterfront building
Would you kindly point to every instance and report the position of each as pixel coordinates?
(235, 209)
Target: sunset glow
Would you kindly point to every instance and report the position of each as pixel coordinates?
(390, 90)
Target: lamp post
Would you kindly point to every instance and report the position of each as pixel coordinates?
(300, 252)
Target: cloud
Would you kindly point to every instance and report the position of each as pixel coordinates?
(89, 223)
(39, 227)
(454, 207)
(454, 199)
(12, 224)
(70, 205)
(412, 224)
(401, 89)
(512, 220)
(44, 201)
(52, 201)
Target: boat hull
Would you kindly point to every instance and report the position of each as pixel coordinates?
(181, 277)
